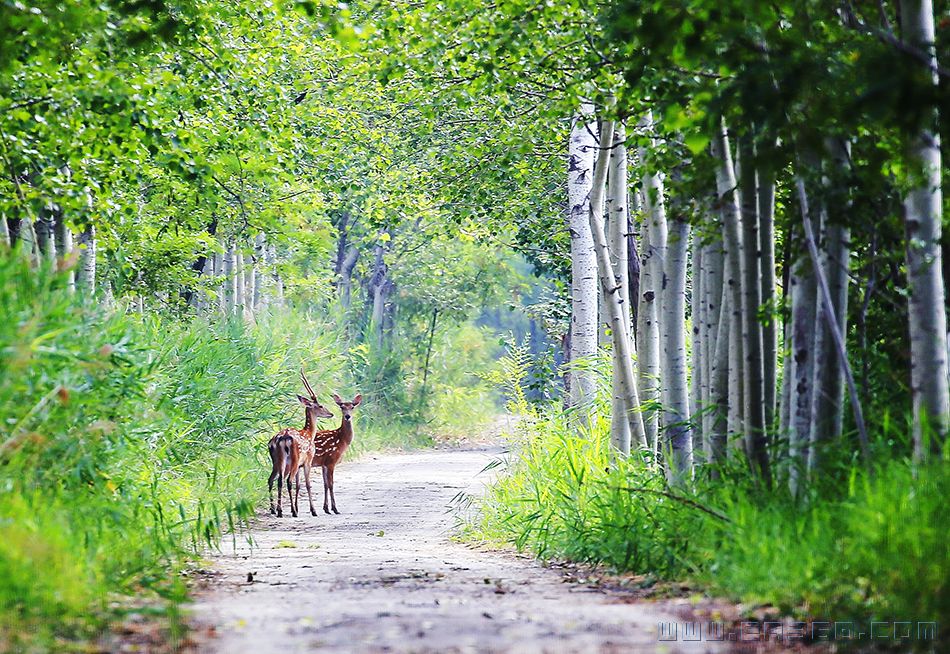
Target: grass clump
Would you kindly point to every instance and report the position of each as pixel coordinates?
(872, 549)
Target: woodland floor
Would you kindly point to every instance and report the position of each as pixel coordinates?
(386, 576)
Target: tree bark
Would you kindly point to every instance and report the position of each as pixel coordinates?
(922, 221)
(698, 321)
(618, 217)
(729, 342)
(651, 281)
(260, 249)
(765, 188)
(804, 294)
(87, 261)
(679, 448)
(716, 378)
(629, 401)
(584, 315)
(753, 387)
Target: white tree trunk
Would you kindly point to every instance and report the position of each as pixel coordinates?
(922, 219)
(582, 151)
(614, 298)
(653, 253)
(4, 232)
(87, 261)
(618, 213)
(731, 312)
(766, 205)
(804, 293)
(698, 342)
(260, 247)
(751, 272)
(679, 440)
(715, 395)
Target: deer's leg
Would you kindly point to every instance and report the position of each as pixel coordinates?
(297, 494)
(326, 489)
(290, 496)
(280, 493)
(306, 478)
(270, 489)
(332, 496)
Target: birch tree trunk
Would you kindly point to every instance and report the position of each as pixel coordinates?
(765, 188)
(584, 315)
(679, 440)
(64, 245)
(87, 261)
(629, 401)
(922, 221)
(260, 260)
(753, 387)
(729, 340)
(4, 233)
(617, 210)
(651, 284)
(715, 397)
(698, 377)
(46, 235)
(804, 294)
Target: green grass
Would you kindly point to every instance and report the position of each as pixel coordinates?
(874, 549)
(130, 444)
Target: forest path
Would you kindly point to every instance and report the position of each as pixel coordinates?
(385, 576)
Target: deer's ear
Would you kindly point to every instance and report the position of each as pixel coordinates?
(357, 399)
(303, 400)
(337, 399)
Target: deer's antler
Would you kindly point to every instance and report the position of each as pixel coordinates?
(307, 384)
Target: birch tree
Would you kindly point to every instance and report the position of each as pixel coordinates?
(750, 271)
(652, 257)
(922, 219)
(618, 221)
(729, 342)
(614, 298)
(678, 437)
(582, 151)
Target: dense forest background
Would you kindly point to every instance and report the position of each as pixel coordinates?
(698, 245)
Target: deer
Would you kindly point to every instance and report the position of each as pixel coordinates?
(329, 446)
(292, 449)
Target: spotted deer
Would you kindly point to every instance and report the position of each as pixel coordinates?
(329, 446)
(292, 449)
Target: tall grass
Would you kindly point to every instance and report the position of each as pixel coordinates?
(131, 443)
(874, 549)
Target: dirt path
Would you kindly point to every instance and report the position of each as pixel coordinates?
(385, 577)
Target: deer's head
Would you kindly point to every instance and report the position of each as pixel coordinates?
(314, 407)
(347, 407)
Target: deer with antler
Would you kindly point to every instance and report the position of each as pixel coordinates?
(292, 449)
(329, 446)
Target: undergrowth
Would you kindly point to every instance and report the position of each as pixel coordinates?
(865, 547)
(130, 443)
